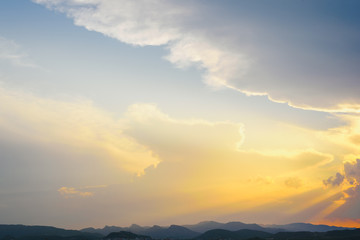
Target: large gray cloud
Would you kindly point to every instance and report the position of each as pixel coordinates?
(302, 53)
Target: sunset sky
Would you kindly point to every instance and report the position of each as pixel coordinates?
(115, 112)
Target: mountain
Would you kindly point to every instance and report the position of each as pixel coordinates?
(50, 237)
(125, 235)
(134, 228)
(233, 235)
(297, 235)
(18, 231)
(330, 235)
(174, 232)
(231, 226)
(204, 226)
(297, 227)
(192, 231)
(318, 232)
(218, 234)
(343, 234)
(103, 231)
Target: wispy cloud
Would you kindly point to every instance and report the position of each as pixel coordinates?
(87, 191)
(69, 192)
(12, 52)
(95, 186)
(76, 124)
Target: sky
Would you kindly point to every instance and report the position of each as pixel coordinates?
(115, 112)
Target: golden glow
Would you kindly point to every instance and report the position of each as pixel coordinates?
(351, 223)
(213, 167)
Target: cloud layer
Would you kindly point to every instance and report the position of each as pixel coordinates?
(73, 144)
(295, 57)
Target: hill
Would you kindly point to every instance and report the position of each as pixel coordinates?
(230, 226)
(125, 235)
(19, 231)
(174, 231)
(218, 234)
(233, 235)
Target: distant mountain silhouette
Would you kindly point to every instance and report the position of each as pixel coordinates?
(19, 231)
(136, 228)
(125, 235)
(191, 231)
(344, 234)
(103, 231)
(231, 226)
(297, 227)
(297, 235)
(178, 232)
(51, 237)
(174, 231)
(331, 235)
(217, 234)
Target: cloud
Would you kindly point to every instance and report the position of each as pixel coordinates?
(75, 125)
(174, 139)
(198, 162)
(345, 207)
(11, 52)
(139, 23)
(302, 60)
(352, 172)
(196, 154)
(69, 192)
(95, 186)
(351, 175)
(334, 181)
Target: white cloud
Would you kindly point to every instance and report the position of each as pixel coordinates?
(135, 22)
(246, 52)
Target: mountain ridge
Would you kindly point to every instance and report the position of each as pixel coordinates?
(24, 232)
(19, 230)
(192, 230)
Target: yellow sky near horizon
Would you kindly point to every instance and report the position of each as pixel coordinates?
(170, 161)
